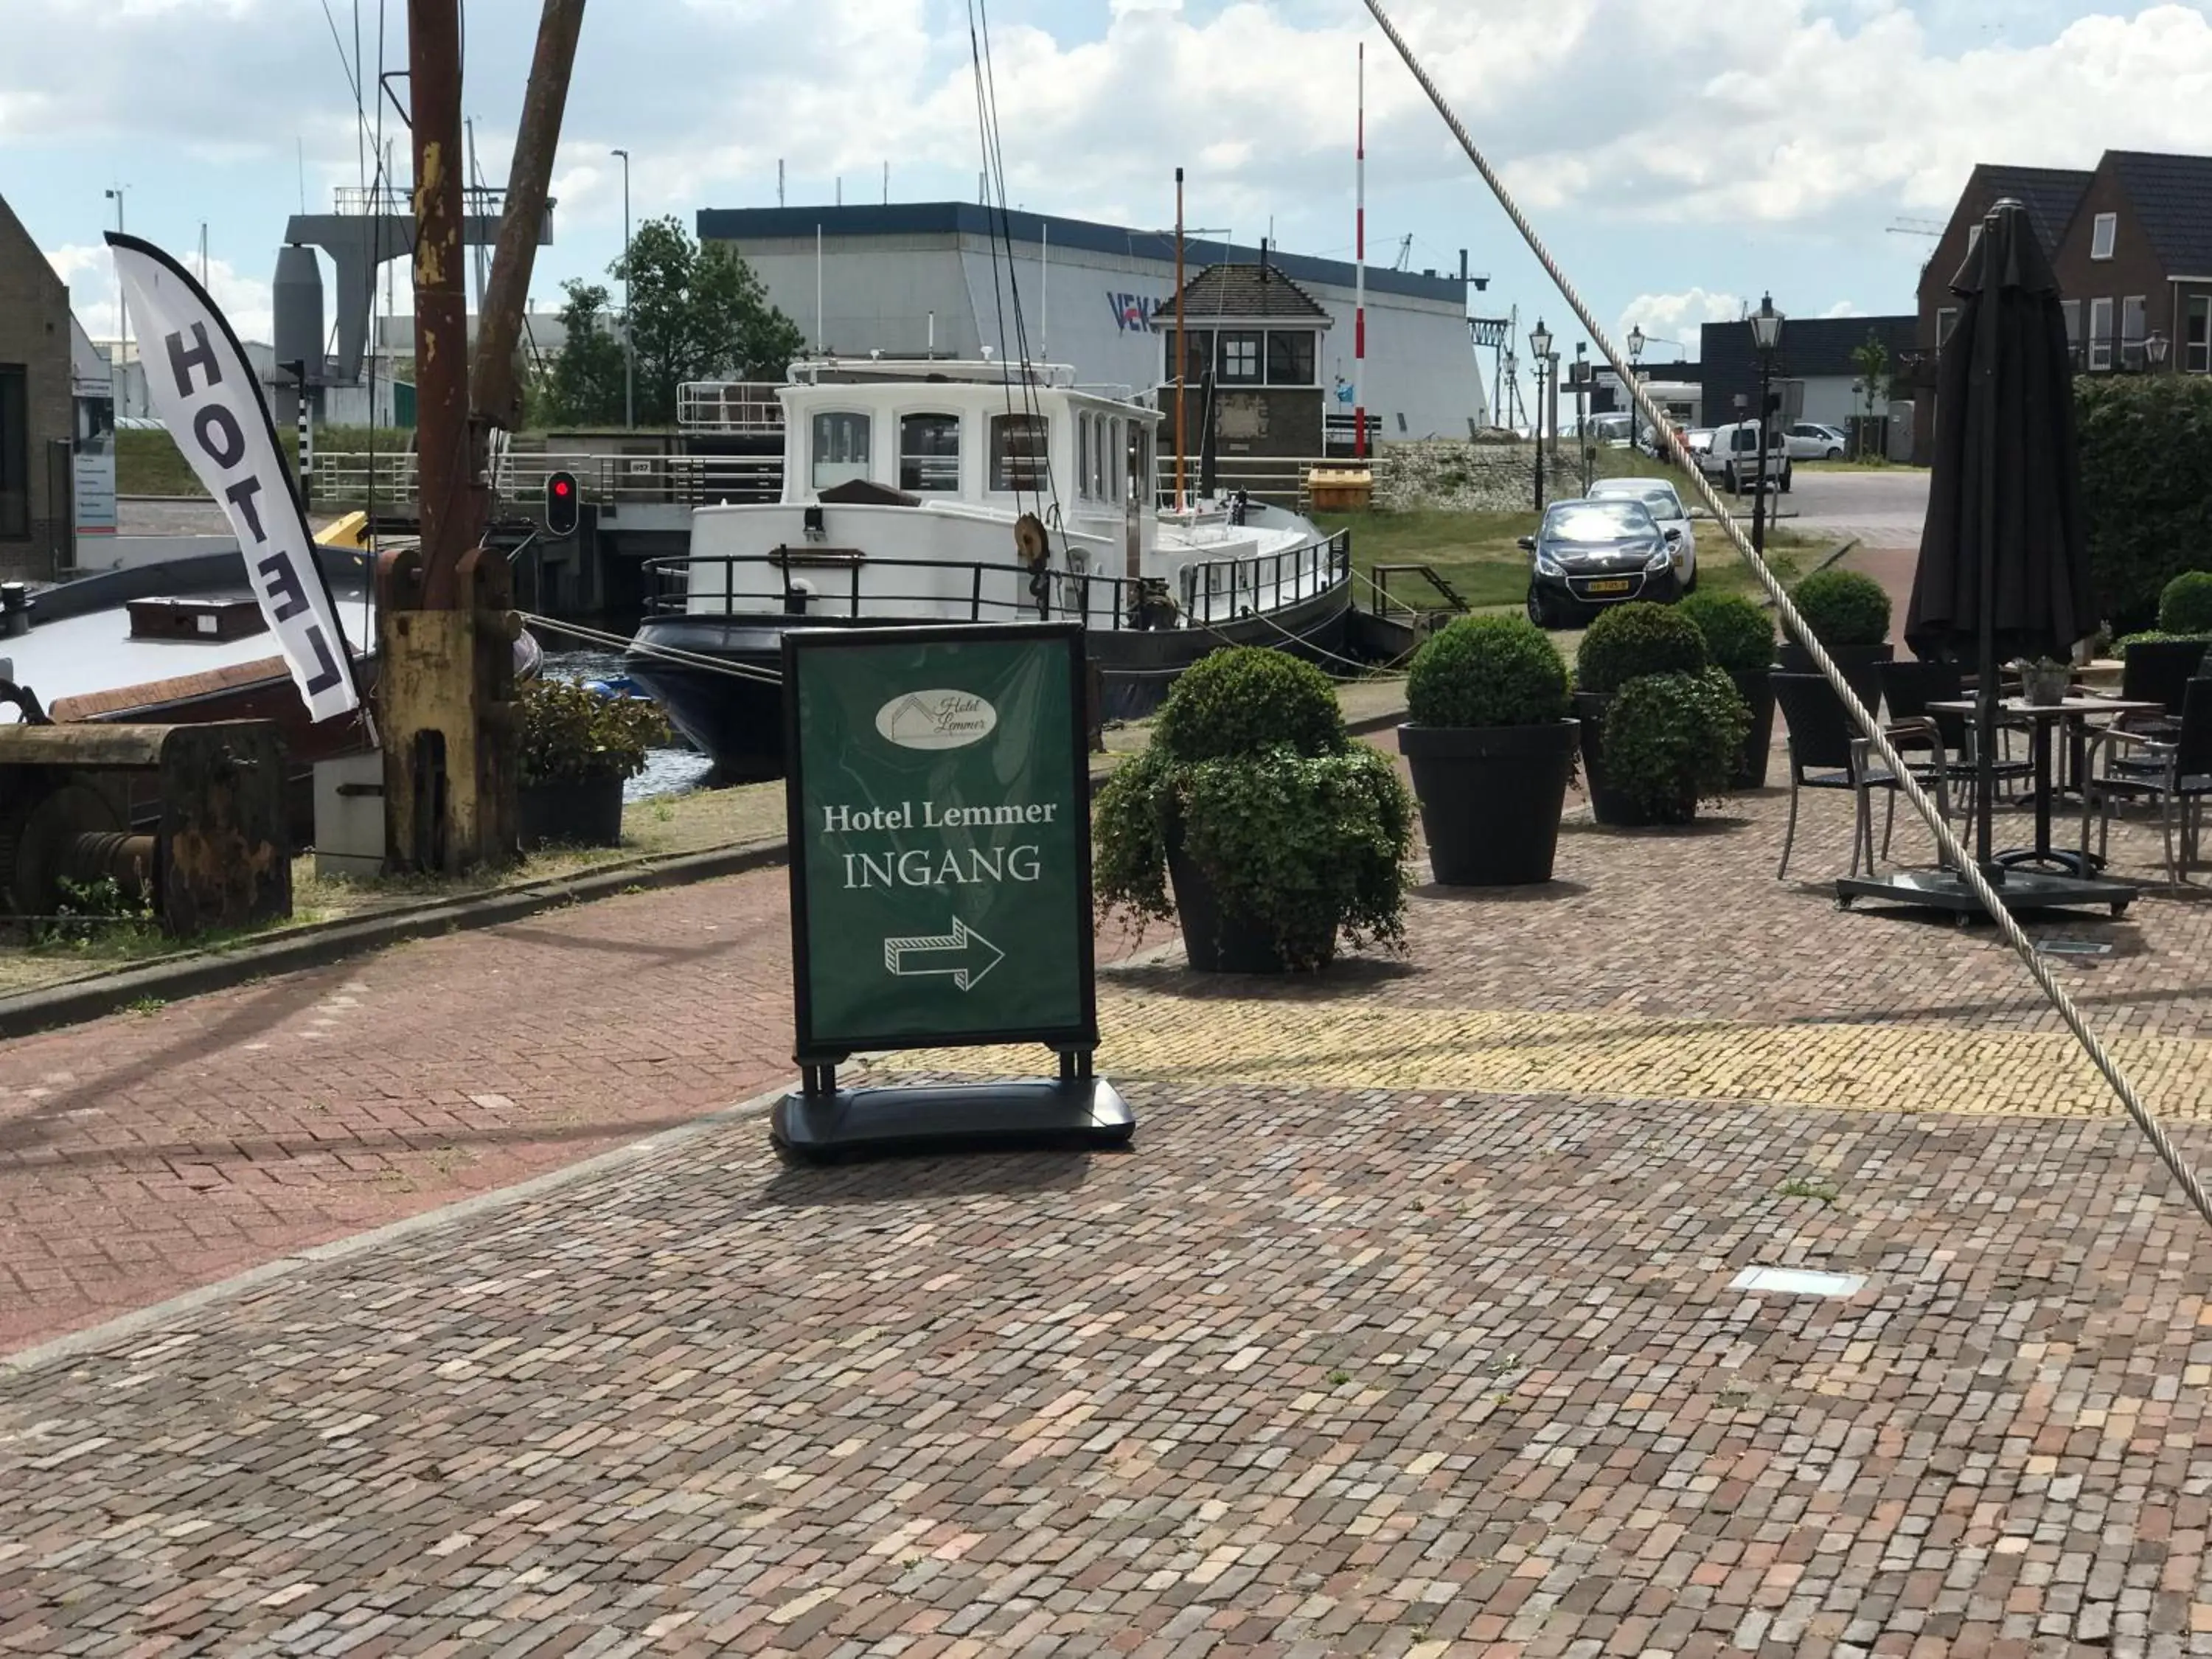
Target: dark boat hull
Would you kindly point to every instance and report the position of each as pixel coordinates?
(737, 722)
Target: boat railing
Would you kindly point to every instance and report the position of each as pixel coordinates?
(1221, 590)
(745, 406)
(835, 585)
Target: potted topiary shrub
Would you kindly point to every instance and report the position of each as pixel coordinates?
(1672, 740)
(1740, 639)
(1627, 642)
(578, 747)
(2185, 607)
(1491, 748)
(1254, 815)
(1849, 614)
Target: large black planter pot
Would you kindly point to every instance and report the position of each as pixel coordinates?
(1491, 799)
(1608, 804)
(1862, 665)
(585, 813)
(1756, 690)
(1219, 943)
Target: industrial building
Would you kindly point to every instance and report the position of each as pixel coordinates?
(37, 418)
(913, 278)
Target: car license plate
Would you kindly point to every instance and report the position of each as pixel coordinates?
(1619, 585)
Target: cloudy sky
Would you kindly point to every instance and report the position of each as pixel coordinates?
(1680, 158)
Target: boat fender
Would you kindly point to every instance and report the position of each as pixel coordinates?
(1031, 542)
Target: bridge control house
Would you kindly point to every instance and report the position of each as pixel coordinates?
(1261, 338)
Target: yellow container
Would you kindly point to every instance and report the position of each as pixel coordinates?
(1340, 489)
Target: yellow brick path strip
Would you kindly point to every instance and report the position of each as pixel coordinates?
(1889, 1067)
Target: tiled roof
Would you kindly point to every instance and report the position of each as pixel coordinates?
(2172, 200)
(2049, 194)
(1244, 292)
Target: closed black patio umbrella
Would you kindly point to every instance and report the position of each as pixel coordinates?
(2004, 559)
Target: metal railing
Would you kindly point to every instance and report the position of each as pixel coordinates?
(1222, 590)
(1386, 602)
(399, 199)
(737, 406)
(1279, 481)
(675, 480)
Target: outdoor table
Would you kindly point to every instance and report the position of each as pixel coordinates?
(2043, 718)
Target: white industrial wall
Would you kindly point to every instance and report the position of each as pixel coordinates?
(1085, 307)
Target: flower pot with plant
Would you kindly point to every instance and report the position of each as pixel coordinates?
(1740, 639)
(578, 747)
(1629, 642)
(1672, 740)
(1491, 749)
(1255, 817)
(1849, 614)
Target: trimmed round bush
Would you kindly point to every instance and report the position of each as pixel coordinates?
(1739, 635)
(1633, 640)
(1487, 671)
(1245, 700)
(1843, 608)
(2185, 606)
(1672, 740)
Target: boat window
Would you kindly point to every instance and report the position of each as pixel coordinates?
(1290, 356)
(1240, 356)
(1082, 455)
(1116, 461)
(840, 449)
(15, 454)
(929, 454)
(1018, 452)
(1094, 463)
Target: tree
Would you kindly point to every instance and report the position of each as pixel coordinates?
(1872, 362)
(584, 386)
(697, 314)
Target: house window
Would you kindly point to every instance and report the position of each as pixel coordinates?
(929, 454)
(2103, 234)
(1240, 358)
(1197, 354)
(2072, 309)
(1290, 356)
(2131, 331)
(840, 449)
(1946, 318)
(1018, 452)
(2198, 359)
(2100, 335)
(15, 454)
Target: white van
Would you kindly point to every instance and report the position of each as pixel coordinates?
(1734, 456)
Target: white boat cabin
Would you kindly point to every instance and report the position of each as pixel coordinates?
(905, 484)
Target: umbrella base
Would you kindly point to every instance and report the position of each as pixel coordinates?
(2022, 889)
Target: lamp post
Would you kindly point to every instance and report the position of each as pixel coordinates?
(1581, 412)
(1539, 349)
(1765, 335)
(1636, 373)
(122, 318)
(629, 343)
(2154, 350)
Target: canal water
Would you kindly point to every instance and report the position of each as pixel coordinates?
(673, 771)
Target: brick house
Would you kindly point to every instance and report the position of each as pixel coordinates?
(1262, 334)
(2130, 242)
(36, 413)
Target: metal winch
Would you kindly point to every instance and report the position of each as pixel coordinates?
(188, 818)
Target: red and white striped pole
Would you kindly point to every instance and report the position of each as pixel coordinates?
(1359, 281)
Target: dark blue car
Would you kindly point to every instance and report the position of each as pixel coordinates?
(1588, 555)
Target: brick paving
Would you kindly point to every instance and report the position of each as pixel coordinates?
(1311, 1372)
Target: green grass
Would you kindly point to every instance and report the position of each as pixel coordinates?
(148, 464)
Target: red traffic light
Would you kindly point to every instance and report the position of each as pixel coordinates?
(561, 487)
(561, 505)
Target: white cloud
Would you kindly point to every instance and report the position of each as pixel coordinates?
(247, 301)
(1845, 308)
(1677, 317)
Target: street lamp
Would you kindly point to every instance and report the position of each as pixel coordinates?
(2155, 348)
(122, 318)
(1539, 347)
(629, 342)
(1635, 345)
(1581, 412)
(1765, 336)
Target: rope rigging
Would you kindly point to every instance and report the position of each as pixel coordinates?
(1953, 852)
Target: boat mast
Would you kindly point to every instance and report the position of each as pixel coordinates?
(1359, 275)
(1181, 352)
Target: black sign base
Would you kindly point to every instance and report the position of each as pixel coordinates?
(817, 1128)
(2022, 889)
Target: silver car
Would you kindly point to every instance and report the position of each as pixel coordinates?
(1665, 506)
(1810, 440)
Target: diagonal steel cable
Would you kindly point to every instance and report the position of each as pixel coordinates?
(1953, 852)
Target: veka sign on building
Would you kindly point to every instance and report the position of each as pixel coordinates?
(940, 834)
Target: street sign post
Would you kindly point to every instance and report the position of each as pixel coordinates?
(939, 807)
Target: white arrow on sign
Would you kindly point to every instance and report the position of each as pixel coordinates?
(963, 953)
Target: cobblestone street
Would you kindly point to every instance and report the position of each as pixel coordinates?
(1410, 1325)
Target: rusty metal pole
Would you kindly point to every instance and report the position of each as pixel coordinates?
(445, 458)
(497, 392)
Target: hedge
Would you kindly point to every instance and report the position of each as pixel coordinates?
(2146, 461)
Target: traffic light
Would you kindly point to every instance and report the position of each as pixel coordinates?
(564, 504)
